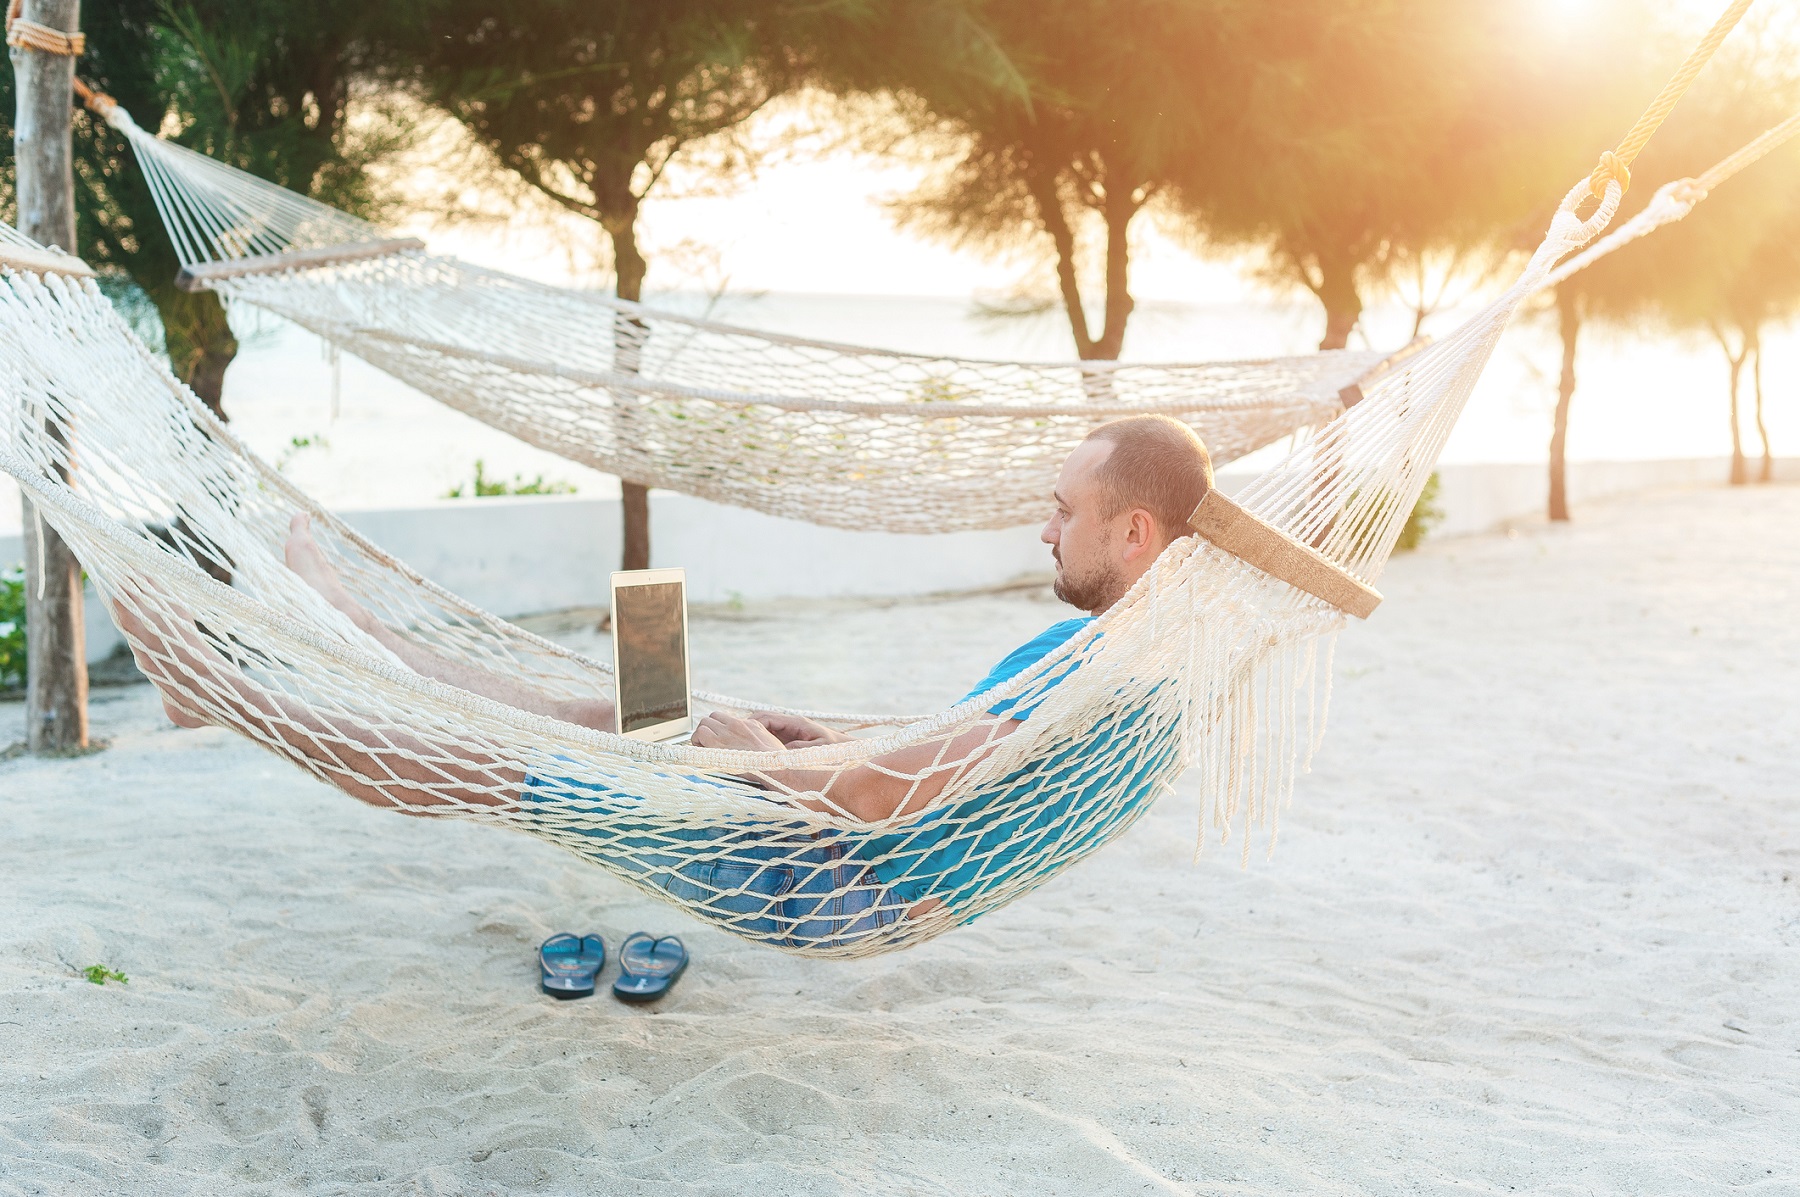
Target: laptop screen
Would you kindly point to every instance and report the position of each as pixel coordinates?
(650, 653)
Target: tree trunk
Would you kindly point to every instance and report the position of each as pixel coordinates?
(1767, 472)
(200, 342)
(1568, 311)
(1062, 235)
(1343, 306)
(629, 268)
(1119, 211)
(55, 653)
(1740, 470)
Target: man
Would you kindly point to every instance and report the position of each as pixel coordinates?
(1123, 496)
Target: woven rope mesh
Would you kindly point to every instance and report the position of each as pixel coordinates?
(832, 434)
(1207, 662)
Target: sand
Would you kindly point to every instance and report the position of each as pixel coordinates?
(1533, 925)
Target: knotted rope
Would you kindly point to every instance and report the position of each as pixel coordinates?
(34, 35)
(1615, 164)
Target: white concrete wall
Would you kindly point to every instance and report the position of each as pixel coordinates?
(518, 556)
(1479, 498)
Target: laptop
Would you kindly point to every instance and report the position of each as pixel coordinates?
(650, 654)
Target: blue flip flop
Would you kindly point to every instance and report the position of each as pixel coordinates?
(648, 967)
(569, 964)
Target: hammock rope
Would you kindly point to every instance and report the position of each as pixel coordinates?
(1675, 200)
(1616, 163)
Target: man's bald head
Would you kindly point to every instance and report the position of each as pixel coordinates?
(1157, 463)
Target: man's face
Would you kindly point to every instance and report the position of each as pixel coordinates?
(1090, 571)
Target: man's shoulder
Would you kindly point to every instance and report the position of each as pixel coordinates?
(1057, 634)
(1031, 652)
(1047, 641)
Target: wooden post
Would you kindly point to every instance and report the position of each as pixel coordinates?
(56, 657)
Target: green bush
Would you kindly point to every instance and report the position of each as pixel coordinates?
(485, 487)
(1426, 515)
(12, 627)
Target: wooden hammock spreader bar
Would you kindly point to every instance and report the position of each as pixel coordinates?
(202, 275)
(1279, 555)
(1351, 395)
(43, 261)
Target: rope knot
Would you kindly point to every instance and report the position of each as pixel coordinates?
(1688, 191)
(96, 102)
(30, 35)
(1611, 167)
(34, 35)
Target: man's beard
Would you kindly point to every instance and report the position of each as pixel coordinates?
(1093, 591)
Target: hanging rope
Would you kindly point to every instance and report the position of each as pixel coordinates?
(1615, 164)
(1767, 143)
(1676, 199)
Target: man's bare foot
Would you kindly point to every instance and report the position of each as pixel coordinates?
(305, 558)
(180, 716)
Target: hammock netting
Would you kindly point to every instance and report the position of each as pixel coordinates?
(1208, 662)
(832, 434)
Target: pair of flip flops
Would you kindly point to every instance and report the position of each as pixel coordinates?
(648, 966)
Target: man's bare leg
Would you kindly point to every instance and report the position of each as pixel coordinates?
(305, 558)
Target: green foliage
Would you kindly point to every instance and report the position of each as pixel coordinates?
(99, 974)
(1375, 136)
(12, 627)
(1735, 262)
(1049, 137)
(299, 444)
(1425, 516)
(588, 100)
(941, 390)
(484, 487)
(264, 85)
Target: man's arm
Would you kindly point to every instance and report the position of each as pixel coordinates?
(305, 558)
(898, 782)
(385, 769)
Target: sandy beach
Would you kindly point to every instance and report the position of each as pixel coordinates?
(1532, 925)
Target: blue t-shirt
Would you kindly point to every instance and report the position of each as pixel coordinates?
(967, 846)
(1024, 657)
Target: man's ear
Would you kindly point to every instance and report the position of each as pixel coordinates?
(1140, 533)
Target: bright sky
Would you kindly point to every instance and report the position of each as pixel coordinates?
(804, 219)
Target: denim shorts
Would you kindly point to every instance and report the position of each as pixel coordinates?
(778, 882)
(796, 892)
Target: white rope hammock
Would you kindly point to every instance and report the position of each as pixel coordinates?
(829, 433)
(1209, 661)
(833, 434)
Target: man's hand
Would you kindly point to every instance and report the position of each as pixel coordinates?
(719, 730)
(797, 731)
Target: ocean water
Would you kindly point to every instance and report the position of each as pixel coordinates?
(379, 443)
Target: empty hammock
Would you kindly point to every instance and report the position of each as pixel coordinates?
(832, 434)
(1209, 661)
